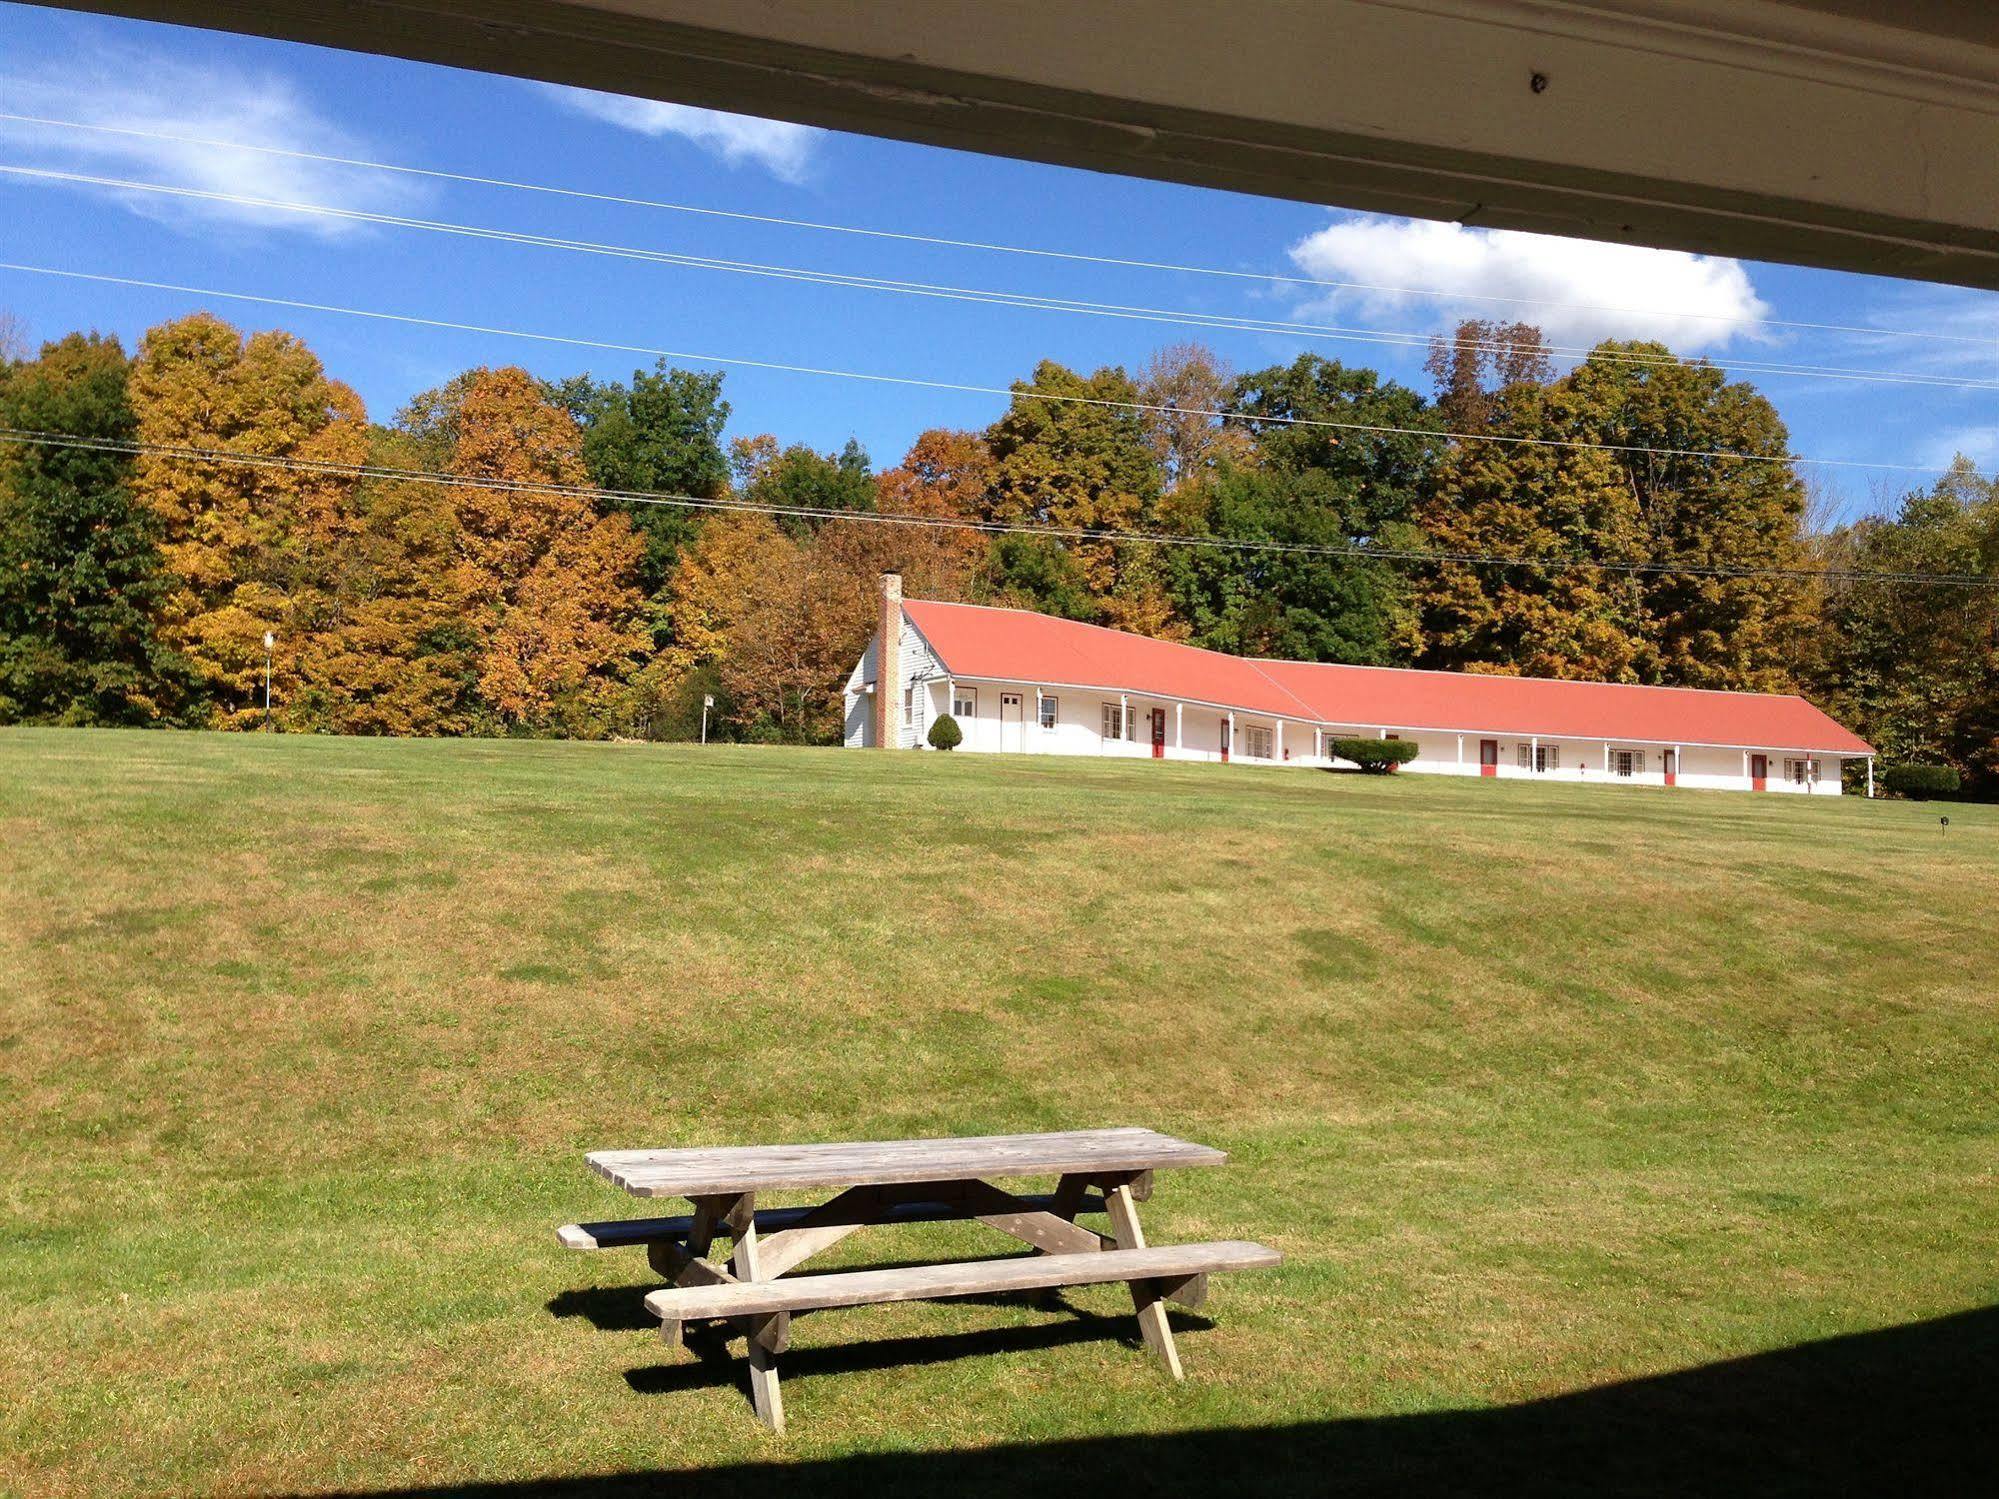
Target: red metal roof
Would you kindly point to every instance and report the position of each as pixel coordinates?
(1016, 645)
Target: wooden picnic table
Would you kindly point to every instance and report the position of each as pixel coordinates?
(1106, 1171)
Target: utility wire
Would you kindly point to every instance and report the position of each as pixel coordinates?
(1023, 301)
(1355, 550)
(1073, 256)
(1248, 418)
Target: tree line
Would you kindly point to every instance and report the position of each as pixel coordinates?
(597, 557)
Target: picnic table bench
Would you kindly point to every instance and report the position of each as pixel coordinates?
(1107, 1171)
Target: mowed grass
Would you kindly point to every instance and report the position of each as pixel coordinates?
(1539, 1089)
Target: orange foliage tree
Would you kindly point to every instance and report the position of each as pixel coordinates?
(547, 580)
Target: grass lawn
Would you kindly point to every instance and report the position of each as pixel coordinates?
(1618, 1140)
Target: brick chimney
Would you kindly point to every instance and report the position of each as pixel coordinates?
(888, 666)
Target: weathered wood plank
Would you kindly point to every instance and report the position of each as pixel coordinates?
(1145, 1298)
(1046, 1231)
(623, 1233)
(820, 1229)
(963, 1278)
(767, 1332)
(730, 1169)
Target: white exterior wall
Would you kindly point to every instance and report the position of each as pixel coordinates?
(1079, 721)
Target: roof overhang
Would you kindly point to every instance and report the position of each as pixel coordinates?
(1039, 684)
(1854, 134)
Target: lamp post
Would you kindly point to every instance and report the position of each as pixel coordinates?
(707, 702)
(270, 640)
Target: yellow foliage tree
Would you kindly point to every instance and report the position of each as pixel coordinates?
(251, 548)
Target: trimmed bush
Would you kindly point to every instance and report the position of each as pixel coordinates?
(1920, 781)
(945, 733)
(1376, 756)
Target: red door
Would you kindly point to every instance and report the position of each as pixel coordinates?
(1488, 757)
(1759, 772)
(1672, 768)
(1158, 733)
(1225, 741)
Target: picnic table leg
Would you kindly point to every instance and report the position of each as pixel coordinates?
(1145, 1294)
(766, 1334)
(672, 1261)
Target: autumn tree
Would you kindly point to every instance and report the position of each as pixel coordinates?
(1705, 461)
(1182, 388)
(943, 478)
(81, 578)
(1521, 526)
(251, 546)
(547, 581)
(1480, 359)
(788, 652)
(1072, 453)
(396, 653)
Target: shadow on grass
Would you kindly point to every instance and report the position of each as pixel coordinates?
(1908, 1410)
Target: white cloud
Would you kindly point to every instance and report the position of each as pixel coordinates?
(200, 104)
(784, 150)
(1439, 272)
(1979, 443)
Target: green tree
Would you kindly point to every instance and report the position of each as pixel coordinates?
(81, 577)
(1914, 667)
(799, 477)
(1307, 485)
(1293, 604)
(1378, 474)
(662, 434)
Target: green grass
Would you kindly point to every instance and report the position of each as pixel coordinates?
(1539, 1089)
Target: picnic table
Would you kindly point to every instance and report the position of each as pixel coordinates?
(1099, 1171)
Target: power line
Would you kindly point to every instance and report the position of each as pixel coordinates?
(906, 237)
(1251, 418)
(980, 296)
(1354, 550)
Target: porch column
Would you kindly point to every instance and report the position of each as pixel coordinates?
(1277, 743)
(1318, 743)
(1745, 769)
(1179, 723)
(1606, 757)
(1461, 752)
(1230, 751)
(1124, 718)
(951, 703)
(1533, 756)
(1870, 778)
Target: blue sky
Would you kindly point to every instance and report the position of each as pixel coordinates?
(188, 83)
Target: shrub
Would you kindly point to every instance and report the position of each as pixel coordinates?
(945, 733)
(1376, 756)
(1919, 781)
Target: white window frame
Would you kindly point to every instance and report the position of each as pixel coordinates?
(1540, 758)
(909, 706)
(1256, 742)
(964, 702)
(1114, 726)
(1627, 762)
(1801, 772)
(1047, 712)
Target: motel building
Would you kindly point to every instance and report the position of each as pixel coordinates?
(1025, 683)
